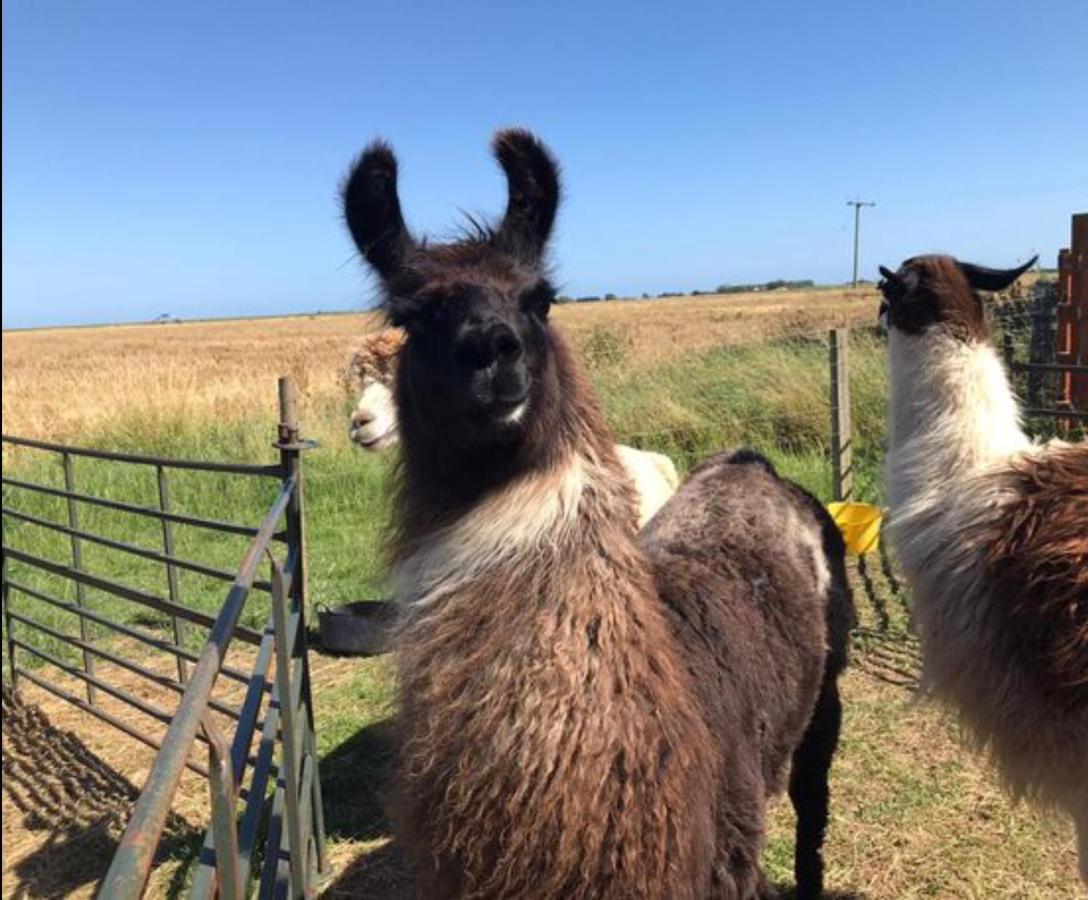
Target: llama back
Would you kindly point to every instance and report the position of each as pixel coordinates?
(742, 551)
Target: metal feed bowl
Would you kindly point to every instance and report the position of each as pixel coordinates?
(362, 628)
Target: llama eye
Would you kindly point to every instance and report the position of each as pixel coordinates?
(538, 301)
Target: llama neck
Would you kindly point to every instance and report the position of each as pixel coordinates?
(523, 527)
(952, 412)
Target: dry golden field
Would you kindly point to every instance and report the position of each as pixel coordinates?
(61, 383)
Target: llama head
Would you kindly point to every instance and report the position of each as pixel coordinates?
(475, 310)
(369, 377)
(940, 294)
(373, 422)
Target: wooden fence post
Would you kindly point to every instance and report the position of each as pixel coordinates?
(842, 448)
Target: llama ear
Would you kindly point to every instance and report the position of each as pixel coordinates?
(982, 278)
(533, 179)
(372, 210)
(903, 282)
(888, 280)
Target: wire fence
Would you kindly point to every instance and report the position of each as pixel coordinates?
(1027, 331)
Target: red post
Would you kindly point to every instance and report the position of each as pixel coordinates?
(1073, 314)
(1078, 296)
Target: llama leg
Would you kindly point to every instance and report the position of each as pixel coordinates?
(809, 788)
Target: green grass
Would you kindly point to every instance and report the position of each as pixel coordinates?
(772, 396)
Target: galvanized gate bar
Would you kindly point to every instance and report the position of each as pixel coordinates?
(263, 767)
(131, 865)
(5, 589)
(171, 570)
(77, 563)
(203, 884)
(162, 680)
(135, 633)
(136, 509)
(289, 728)
(226, 468)
(168, 559)
(143, 706)
(128, 593)
(297, 586)
(224, 803)
(273, 876)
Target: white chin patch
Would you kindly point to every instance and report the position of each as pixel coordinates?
(516, 414)
(882, 321)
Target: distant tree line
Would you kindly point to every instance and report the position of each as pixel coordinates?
(778, 284)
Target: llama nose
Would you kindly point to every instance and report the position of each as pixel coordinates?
(505, 344)
(481, 348)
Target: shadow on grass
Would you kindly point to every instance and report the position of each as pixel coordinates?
(882, 644)
(889, 656)
(354, 783)
(377, 874)
(72, 807)
(354, 777)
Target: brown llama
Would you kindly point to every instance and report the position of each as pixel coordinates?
(992, 531)
(581, 714)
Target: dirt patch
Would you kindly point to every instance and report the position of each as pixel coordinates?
(64, 808)
(70, 780)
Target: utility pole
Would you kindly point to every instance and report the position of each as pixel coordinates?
(857, 204)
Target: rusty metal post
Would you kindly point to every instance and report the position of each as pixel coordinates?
(1078, 297)
(171, 570)
(311, 749)
(291, 770)
(842, 449)
(224, 812)
(7, 615)
(77, 564)
(291, 446)
(1066, 343)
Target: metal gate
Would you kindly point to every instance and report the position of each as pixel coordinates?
(263, 775)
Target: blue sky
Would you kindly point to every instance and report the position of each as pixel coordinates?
(184, 158)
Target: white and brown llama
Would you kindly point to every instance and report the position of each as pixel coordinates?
(992, 532)
(371, 373)
(582, 714)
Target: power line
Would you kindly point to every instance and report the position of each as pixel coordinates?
(857, 204)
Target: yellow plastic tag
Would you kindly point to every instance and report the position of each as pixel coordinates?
(859, 524)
